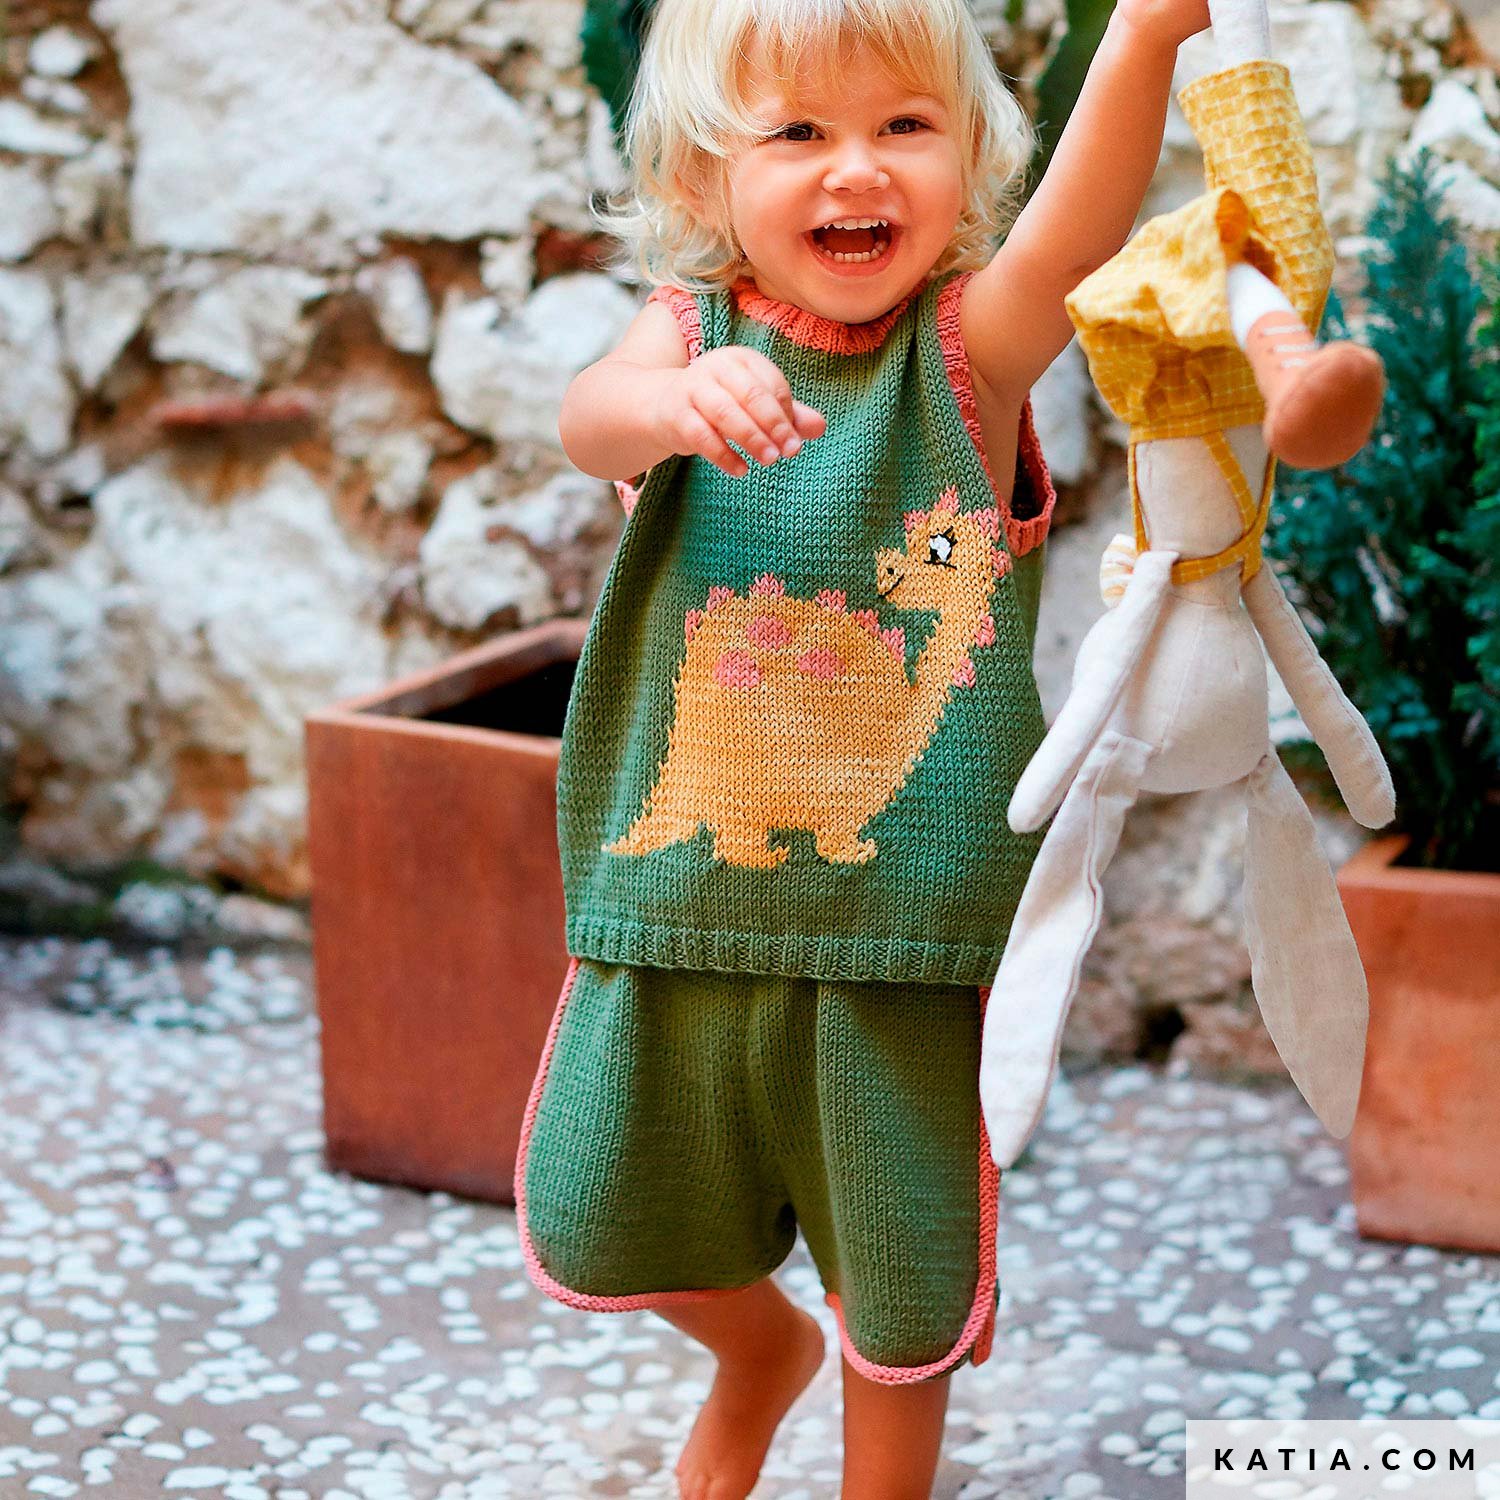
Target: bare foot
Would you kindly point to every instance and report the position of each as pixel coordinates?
(749, 1397)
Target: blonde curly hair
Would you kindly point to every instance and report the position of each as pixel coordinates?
(688, 110)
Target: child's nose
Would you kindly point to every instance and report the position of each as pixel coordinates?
(856, 170)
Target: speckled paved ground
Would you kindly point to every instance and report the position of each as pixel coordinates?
(191, 1304)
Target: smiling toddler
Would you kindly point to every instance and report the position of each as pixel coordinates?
(806, 697)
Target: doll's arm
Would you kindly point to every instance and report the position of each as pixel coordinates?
(1012, 317)
(1108, 656)
(1353, 756)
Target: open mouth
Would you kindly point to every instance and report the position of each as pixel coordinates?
(854, 242)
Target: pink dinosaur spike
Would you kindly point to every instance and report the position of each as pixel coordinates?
(718, 595)
(1002, 563)
(737, 669)
(989, 522)
(985, 635)
(769, 632)
(821, 662)
(895, 638)
(693, 621)
(914, 518)
(866, 620)
(963, 673)
(947, 502)
(769, 585)
(832, 599)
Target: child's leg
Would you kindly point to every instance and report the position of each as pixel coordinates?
(768, 1350)
(892, 1437)
(1322, 400)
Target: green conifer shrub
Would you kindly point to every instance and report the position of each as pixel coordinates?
(1393, 558)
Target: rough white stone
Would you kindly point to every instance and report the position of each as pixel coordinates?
(606, 169)
(36, 401)
(555, 514)
(101, 314)
(398, 464)
(506, 377)
(436, 20)
(219, 626)
(1060, 402)
(506, 267)
(325, 123)
(27, 216)
(248, 322)
(1453, 123)
(85, 187)
(258, 608)
(1474, 202)
(54, 94)
(71, 671)
(403, 310)
(548, 28)
(466, 577)
(23, 130)
(18, 531)
(80, 471)
(1483, 17)
(1070, 590)
(60, 52)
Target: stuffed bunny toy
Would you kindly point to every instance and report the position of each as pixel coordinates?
(1198, 336)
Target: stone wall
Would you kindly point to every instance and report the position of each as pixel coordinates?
(289, 294)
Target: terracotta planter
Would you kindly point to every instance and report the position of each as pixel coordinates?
(1426, 1140)
(437, 908)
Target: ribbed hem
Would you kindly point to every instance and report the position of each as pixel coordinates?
(614, 940)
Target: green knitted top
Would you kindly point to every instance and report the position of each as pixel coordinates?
(806, 694)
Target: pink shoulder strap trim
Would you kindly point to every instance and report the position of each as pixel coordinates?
(684, 307)
(540, 1276)
(628, 494)
(1021, 535)
(978, 1332)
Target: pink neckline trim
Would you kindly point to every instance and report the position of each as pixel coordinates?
(811, 330)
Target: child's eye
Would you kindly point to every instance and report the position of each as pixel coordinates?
(785, 133)
(908, 120)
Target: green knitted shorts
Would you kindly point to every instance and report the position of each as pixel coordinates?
(683, 1125)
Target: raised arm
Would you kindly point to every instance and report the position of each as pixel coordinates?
(1013, 319)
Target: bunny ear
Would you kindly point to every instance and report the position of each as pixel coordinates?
(989, 522)
(947, 502)
(913, 519)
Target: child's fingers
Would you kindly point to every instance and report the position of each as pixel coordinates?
(770, 397)
(729, 419)
(809, 423)
(698, 436)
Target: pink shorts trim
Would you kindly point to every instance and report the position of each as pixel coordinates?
(979, 1327)
(541, 1278)
(1021, 536)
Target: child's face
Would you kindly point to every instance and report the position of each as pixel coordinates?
(867, 150)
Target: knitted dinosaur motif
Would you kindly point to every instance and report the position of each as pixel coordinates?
(797, 713)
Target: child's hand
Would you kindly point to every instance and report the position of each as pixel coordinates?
(1173, 21)
(734, 394)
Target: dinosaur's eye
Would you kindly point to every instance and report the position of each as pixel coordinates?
(940, 548)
